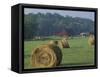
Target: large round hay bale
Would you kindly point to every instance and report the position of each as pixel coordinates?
(91, 40)
(46, 56)
(64, 43)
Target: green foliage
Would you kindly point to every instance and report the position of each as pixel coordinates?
(30, 26)
(49, 24)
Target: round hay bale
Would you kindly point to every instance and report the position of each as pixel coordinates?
(64, 43)
(60, 44)
(91, 40)
(53, 42)
(66, 37)
(46, 56)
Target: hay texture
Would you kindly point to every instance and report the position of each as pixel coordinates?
(64, 43)
(91, 40)
(46, 56)
(53, 42)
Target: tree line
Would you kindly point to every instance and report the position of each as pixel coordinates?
(50, 24)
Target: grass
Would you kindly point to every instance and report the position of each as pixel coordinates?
(79, 53)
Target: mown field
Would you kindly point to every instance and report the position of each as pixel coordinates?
(79, 53)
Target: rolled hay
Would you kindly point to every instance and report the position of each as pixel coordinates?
(91, 40)
(53, 42)
(46, 56)
(64, 43)
(60, 44)
(66, 37)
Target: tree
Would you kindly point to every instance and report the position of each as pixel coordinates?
(30, 26)
(48, 24)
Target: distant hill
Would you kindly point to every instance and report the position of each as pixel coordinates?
(49, 24)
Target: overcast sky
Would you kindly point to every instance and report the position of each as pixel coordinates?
(82, 14)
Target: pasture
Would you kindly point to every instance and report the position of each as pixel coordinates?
(79, 53)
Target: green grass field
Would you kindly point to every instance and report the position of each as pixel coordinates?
(79, 53)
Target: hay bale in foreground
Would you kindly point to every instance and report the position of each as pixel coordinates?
(64, 43)
(46, 56)
(91, 40)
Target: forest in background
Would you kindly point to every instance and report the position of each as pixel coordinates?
(52, 24)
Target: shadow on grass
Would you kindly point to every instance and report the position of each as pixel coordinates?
(76, 47)
(74, 64)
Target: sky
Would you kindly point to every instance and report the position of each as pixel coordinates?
(82, 14)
